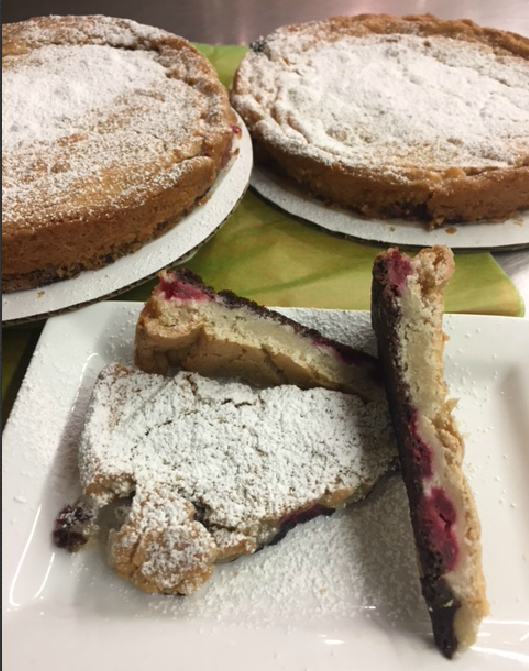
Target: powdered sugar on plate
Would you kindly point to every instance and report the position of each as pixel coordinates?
(391, 103)
(372, 560)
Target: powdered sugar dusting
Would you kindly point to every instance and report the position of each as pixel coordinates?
(90, 122)
(58, 85)
(161, 547)
(95, 28)
(238, 458)
(239, 453)
(389, 102)
(371, 572)
(359, 563)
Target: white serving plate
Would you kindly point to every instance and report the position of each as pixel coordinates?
(510, 234)
(178, 244)
(338, 593)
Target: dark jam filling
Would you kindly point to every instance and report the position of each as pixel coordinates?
(171, 287)
(433, 515)
(290, 521)
(437, 517)
(185, 285)
(443, 609)
(436, 513)
(398, 269)
(72, 524)
(421, 453)
(237, 130)
(408, 211)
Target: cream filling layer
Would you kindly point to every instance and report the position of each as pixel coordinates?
(293, 358)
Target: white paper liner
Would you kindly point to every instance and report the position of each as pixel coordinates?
(510, 234)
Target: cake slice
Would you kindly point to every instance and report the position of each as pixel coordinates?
(216, 469)
(219, 334)
(407, 313)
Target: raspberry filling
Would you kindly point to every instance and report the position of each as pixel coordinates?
(399, 267)
(437, 517)
(171, 287)
(437, 514)
(288, 522)
(72, 527)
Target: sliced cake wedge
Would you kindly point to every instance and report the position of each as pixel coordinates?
(217, 469)
(188, 324)
(407, 313)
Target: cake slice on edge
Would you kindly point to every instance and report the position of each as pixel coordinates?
(407, 314)
(188, 324)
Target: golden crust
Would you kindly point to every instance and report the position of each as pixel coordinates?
(173, 555)
(453, 194)
(116, 180)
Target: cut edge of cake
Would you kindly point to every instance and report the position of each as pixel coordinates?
(187, 324)
(407, 313)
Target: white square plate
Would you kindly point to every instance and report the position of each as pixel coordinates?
(338, 593)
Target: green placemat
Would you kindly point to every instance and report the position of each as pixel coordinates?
(225, 59)
(274, 259)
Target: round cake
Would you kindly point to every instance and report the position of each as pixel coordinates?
(413, 117)
(111, 131)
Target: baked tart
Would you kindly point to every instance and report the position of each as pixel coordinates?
(207, 470)
(410, 117)
(111, 131)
